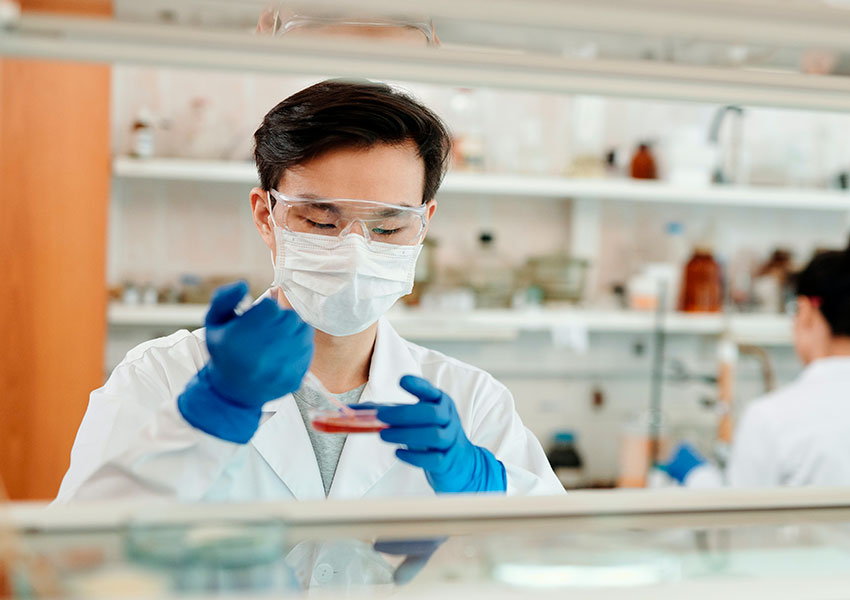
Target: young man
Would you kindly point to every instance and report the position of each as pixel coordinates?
(798, 435)
(348, 173)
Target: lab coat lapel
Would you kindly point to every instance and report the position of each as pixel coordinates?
(365, 458)
(283, 443)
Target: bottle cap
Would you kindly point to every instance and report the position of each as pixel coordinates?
(674, 228)
(565, 437)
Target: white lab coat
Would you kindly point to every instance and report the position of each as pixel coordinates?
(798, 435)
(133, 442)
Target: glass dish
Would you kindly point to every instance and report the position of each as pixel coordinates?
(336, 421)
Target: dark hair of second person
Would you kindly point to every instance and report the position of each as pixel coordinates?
(337, 114)
(826, 282)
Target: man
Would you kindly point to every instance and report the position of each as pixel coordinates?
(798, 435)
(348, 174)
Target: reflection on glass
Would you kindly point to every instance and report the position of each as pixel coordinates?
(281, 20)
(216, 556)
(150, 559)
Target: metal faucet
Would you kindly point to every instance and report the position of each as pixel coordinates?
(729, 157)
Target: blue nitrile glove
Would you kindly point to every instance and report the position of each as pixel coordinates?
(435, 440)
(685, 458)
(255, 357)
(416, 555)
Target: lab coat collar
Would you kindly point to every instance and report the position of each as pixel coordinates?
(830, 368)
(283, 442)
(366, 458)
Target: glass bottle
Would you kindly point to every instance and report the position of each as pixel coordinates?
(702, 286)
(566, 460)
(492, 277)
(468, 145)
(643, 163)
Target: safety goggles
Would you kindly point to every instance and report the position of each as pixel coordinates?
(376, 221)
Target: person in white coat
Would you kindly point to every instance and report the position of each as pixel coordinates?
(798, 435)
(348, 175)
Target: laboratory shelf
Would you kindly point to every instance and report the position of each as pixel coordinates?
(640, 48)
(486, 184)
(185, 169)
(156, 315)
(506, 325)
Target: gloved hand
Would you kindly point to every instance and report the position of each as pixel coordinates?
(685, 458)
(416, 555)
(255, 357)
(435, 441)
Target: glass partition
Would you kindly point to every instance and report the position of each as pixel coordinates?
(667, 544)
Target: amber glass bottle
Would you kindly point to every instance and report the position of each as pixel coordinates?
(702, 285)
(643, 164)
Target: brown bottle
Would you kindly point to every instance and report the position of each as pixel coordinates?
(643, 164)
(702, 285)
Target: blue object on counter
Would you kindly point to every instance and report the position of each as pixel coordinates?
(685, 458)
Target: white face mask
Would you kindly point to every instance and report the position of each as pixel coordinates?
(341, 286)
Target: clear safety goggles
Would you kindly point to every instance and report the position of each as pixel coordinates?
(376, 221)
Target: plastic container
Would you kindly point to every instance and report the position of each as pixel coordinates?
(336, 421)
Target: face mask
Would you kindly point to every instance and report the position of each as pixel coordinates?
(341, 286)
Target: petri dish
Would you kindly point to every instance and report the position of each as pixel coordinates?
(200, 556)
(337, 421)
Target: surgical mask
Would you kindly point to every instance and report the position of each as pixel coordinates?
(341, 285)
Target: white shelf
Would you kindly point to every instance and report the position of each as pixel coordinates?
(659, 24)
(185, 169)
(157, 315)
(521, 186)
(491, 325)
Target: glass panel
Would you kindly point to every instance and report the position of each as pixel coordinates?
(522, 551)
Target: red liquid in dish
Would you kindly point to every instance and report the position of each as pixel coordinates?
(341, 423)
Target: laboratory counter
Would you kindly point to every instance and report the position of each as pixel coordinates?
(659, 544)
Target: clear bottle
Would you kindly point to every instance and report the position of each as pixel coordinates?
(467, 116)
(142, 135)
(566, 460)
(676, 254)
(492, 277)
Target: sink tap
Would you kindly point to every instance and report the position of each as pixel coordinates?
(727, 169)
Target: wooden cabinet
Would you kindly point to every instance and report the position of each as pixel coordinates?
(54, 196)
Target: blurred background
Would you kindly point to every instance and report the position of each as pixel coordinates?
(632, 185)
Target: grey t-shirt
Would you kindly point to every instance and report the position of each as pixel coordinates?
(326, 446)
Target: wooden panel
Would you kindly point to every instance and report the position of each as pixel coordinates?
(54, 193)
(78, 7)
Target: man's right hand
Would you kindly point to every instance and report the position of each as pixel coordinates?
(255, 357)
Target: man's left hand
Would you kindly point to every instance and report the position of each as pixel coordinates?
(434, 440)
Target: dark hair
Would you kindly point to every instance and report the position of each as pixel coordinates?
(827, 278)
(337, 114)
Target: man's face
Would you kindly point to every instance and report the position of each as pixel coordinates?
(394, 174)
